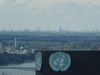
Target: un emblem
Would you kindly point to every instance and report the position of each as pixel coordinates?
(59, 61)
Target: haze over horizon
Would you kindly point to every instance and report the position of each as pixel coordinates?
(50, 14)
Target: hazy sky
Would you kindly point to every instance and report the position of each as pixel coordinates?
(50, 14)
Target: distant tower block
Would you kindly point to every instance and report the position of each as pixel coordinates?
(66, 62)
(60, 29)
(96, 29)
(38, 28)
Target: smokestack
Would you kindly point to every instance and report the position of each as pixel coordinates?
(15, 42)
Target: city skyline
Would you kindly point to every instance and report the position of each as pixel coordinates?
(50, 15)
(60, 29)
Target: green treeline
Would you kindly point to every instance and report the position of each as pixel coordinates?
(44, 45)
(53, 38)
(6, 58)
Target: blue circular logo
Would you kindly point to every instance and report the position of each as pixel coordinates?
(38, 60)
(59, 61)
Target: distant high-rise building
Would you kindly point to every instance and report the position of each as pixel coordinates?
(60, 29)
(38, 28)
(4, 29)
(96, 30)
